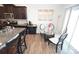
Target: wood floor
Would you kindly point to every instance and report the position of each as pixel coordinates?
(37, 45)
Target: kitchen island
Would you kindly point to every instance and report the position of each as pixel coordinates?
(10, 35)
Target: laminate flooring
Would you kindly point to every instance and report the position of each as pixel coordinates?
(36, 45)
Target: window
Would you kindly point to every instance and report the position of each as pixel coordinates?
(45, 14)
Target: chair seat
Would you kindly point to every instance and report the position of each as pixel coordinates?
(55, 39)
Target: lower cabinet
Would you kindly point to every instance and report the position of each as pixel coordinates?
(31, 30)
(12, 50)
(16, 46)
(9, 50)
(3, 51)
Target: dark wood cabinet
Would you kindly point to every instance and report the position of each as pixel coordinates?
(9, 8)
(1, 13)
(31, 29)
(19, 12)
(3, 50)
(11, 50)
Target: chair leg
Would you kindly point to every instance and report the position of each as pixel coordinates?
(61, 46)
(25, 43)
(48, 42)
(19, 47)
(56, 48)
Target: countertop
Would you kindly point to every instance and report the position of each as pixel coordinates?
(22, 25)
(9, 35)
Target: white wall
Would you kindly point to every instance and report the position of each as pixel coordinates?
(32, 14)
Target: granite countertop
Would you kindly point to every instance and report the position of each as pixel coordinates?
(9, 35)
(17, 24)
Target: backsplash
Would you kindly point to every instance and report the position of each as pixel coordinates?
(19, 21)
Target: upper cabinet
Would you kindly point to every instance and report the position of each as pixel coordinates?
(19, 12)
(1, 12)
(9, 8)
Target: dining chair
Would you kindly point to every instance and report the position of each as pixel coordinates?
(22, 43)
(58, 41)
(50, 29)
(42, 28)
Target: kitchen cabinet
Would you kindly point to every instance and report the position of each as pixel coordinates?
(31, 29)
(18, 12)
(12, 41)
(3, 50)
(1, 13)
(11, 49)
(9, 8)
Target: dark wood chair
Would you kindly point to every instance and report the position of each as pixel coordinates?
(22, 43)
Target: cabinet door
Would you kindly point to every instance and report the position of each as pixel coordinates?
(1, 13)
(9, 8)
(3, 51)
(20, 12)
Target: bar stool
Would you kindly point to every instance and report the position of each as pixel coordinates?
(22, 43)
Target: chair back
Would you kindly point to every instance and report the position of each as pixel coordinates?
(50, 29)
(21, 42)
(65, 31)
(23, 35)
(42, 28)
(62, 38)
